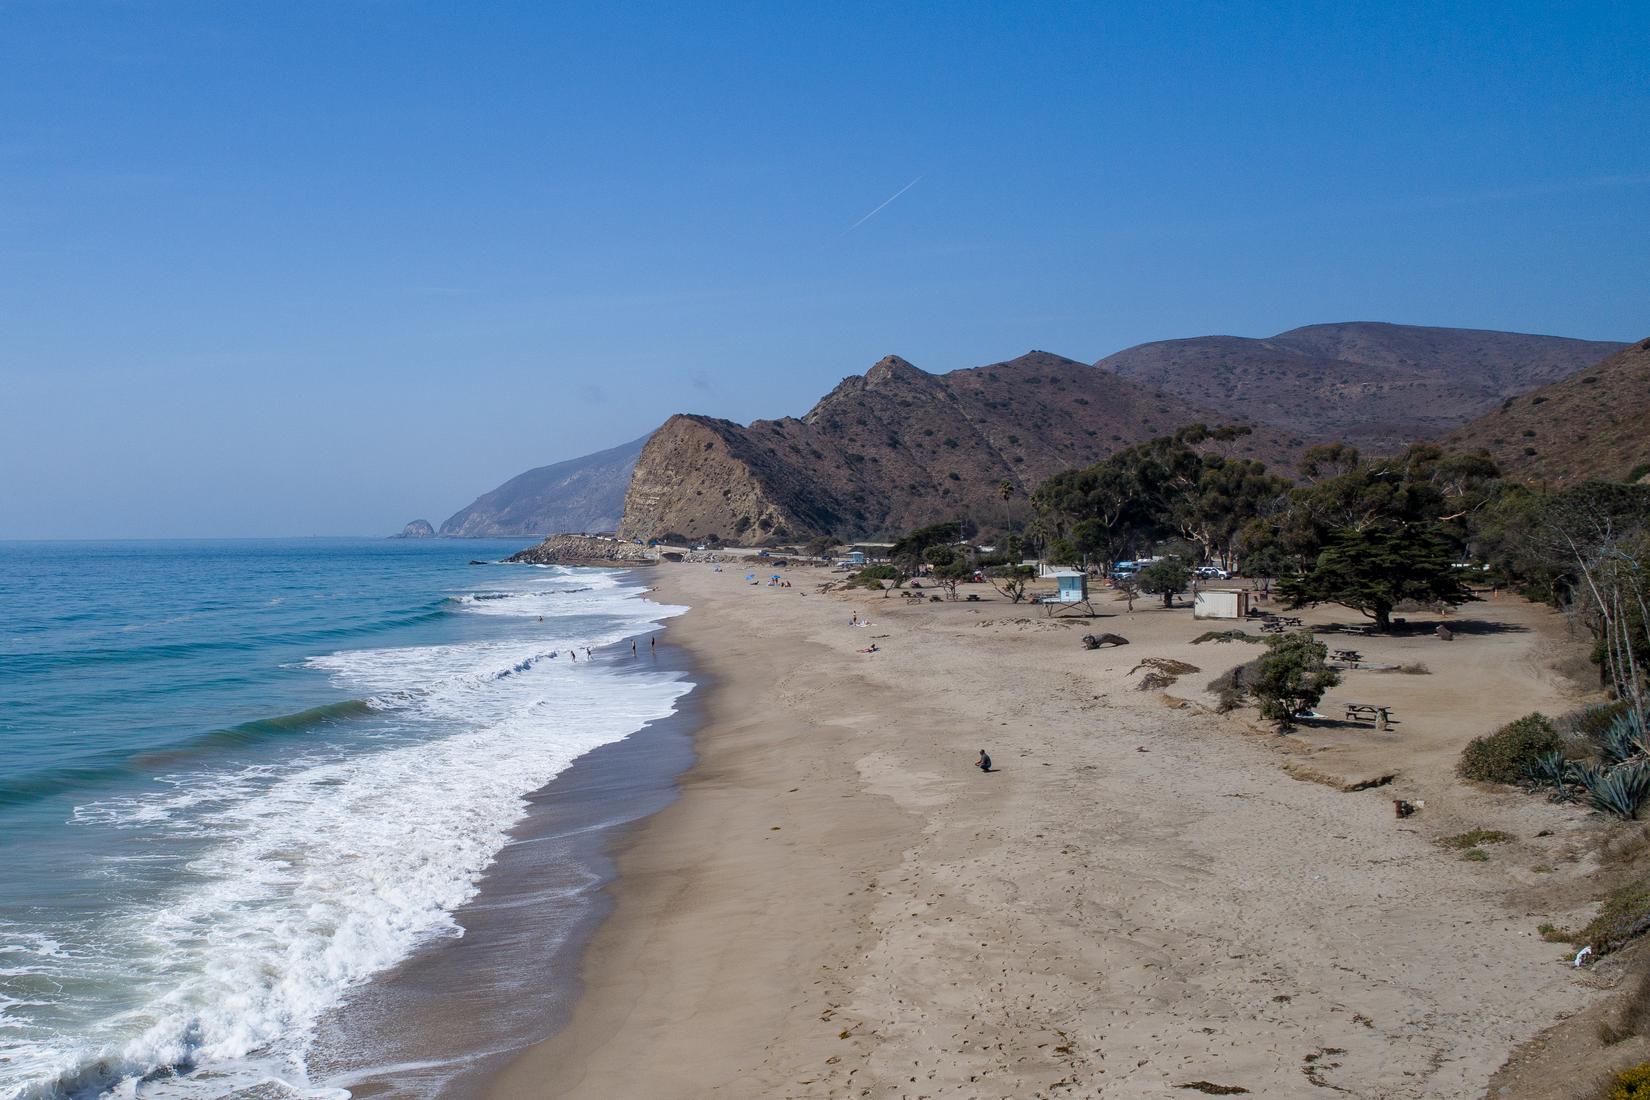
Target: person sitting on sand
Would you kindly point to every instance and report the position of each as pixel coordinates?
(872, 648)
(984, 762)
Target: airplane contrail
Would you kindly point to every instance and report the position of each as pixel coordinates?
(883, 204)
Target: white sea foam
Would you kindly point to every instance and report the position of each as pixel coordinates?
(315, 874)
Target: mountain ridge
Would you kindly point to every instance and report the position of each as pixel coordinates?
(1591, 424)
(897, 447)
(579, 494)
(1376, 384)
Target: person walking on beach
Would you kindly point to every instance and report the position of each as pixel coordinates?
(633, 647)
(984, 762)
(653, 644)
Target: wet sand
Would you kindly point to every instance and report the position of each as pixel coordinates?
(1141, 899)
(447, 1018)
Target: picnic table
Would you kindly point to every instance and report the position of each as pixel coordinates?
(1369, 712)
(1350, 656)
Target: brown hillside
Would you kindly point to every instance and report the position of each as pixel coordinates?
(897, 448)
(1593, 424)
(1377, 385)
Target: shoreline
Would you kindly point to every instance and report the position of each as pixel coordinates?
(645, 962)
(512, 977)
(1142, 898)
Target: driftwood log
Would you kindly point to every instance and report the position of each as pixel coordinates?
(1095, 641)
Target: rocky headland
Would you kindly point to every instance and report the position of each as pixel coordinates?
(585, 550)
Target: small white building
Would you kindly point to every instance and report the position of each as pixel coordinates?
(1220, 603)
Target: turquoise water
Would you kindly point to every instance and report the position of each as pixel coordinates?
(238, 779)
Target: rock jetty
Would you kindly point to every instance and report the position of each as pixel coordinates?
(586, 550)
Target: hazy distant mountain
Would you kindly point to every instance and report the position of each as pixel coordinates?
(1376, 385)
(581, 494)
(1593, 424)
(897, 448)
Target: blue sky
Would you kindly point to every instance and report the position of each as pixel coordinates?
(309, 268)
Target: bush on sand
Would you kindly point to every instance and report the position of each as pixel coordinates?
(1506, 755)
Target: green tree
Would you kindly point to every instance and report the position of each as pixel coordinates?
(950, 567)
(885, 577)
(1292, 677)
(1587, 550)
(908, 552)
(1165, 578)
(1011, 579)
(1179, 484)
(1372, 570)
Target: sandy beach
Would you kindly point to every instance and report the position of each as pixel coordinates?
(1146, 896)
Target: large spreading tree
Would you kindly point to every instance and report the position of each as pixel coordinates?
(1374, 569)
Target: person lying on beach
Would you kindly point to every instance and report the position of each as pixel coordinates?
(872, 648)
(984, 762)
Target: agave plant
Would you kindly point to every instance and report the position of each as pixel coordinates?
(1552, 773)
(1620, 790)
(1625, 738)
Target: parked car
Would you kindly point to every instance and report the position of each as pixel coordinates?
(1213, 572)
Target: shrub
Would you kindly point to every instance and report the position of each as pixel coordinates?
(1624, 915)
(1591, 722)
(1630, 1084)
(1507, 755)
(1292, 677)
(1475, 838)
(872, 577)
(1231, 689)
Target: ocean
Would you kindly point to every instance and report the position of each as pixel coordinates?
(253, 793)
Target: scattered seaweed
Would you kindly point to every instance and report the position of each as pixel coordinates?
(1213, 1089)
(1226, 636)
(1164, 671)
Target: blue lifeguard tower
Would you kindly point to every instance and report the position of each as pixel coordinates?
(1072, 592)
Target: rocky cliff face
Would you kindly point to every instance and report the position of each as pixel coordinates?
(417, 529)
(585, 550)
(896, 448)
(581, 494)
